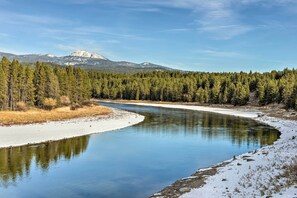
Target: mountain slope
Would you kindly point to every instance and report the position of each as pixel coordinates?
(87, 60)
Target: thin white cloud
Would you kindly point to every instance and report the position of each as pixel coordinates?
(145, 9)
(218, 53)
(225, 32)
(111, 41)
(28, 19)
(85, 31)
(176, 30)
(219, 19)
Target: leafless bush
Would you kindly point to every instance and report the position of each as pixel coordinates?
(65, 101)
(49, 103)
(21, 106)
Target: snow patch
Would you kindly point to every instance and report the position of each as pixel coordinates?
(85, 54)
(50, 55)
(257, 178)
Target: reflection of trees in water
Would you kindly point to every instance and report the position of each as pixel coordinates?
(15, 162)
(237, 130)
(172, 122)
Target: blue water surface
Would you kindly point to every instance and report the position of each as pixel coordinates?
(133, 162)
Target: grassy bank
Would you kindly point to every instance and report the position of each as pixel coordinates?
(38, 116)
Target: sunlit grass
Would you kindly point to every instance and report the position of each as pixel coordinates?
(39, 115)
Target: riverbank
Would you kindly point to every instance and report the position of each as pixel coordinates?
(18, 135)
(34, 115)
(269, 171)
(264, 172)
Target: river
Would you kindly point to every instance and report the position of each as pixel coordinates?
(133, 162)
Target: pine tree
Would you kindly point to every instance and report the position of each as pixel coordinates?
(200, 96)
(63, 79)
(12, 81)
(3, 88)
(20, 83)
(71, 81)
(29, 95)
(40, 84)
(261, 93)
(52, 83)
(5, 65)
(224, 95)
(215, 92)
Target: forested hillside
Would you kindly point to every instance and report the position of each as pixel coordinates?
(33, 86)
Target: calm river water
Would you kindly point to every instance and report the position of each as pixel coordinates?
(132, 162)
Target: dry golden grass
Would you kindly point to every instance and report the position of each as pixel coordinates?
(39, 116)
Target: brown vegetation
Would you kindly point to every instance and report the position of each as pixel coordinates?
(290, 173)
(65, 101)
(39, 116)
(49, 103)
(21, 106)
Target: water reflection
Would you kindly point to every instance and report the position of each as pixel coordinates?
(16, 162)
(208, 125)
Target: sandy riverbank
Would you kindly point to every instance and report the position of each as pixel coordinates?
(254, 174)
(17, 135)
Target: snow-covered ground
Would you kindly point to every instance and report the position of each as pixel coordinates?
(258, 176)
(234, 112)
(254, 174)
(18, 135)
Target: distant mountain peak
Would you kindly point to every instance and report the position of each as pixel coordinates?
(85, 54)
(50, 55)
(146, 63)
(87, 60)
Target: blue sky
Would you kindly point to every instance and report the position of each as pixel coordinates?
(199, 35)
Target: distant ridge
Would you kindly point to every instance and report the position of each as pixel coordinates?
(87, 60)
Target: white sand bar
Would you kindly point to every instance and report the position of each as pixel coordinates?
(234, 112)
(18, 135)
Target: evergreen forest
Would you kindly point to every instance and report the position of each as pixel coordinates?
(33, 85)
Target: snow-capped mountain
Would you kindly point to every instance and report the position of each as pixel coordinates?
(85, 54)
(86, 60)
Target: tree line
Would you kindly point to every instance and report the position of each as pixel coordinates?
(38, 85)
(33, 85)
(201, 87)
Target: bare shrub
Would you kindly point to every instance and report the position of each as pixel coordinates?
(75, 106)
(21, 106)
(87, 103)
(65, 101)
(49, 103)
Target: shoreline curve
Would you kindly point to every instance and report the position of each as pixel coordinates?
(20, 135)
(250, 174)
